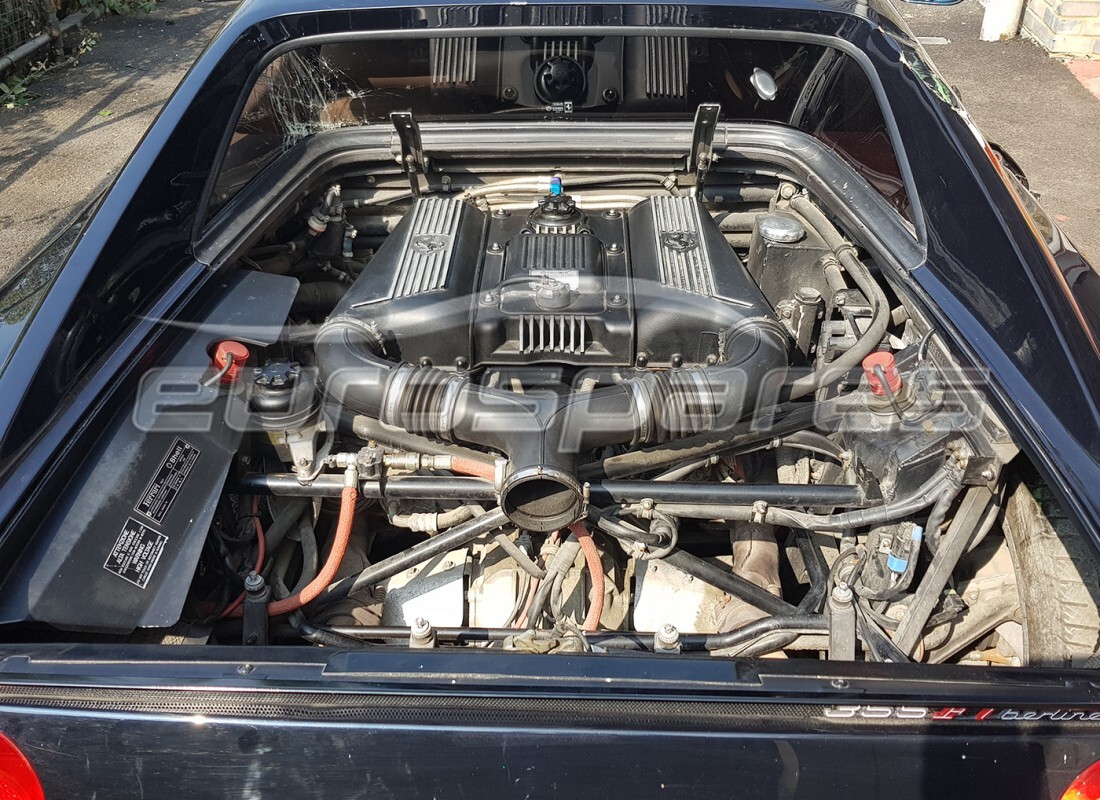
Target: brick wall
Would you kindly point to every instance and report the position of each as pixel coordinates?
(1064, 27)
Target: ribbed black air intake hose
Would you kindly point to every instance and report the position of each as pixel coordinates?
(542, 434)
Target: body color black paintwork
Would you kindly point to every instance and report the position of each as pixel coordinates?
(451, 725)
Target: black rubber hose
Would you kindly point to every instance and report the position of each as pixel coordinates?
(322, 636)
(285, 518)
(788, 420)
(605, 520)
(925, 496)
(308, 540)
(937, 515)
(872, 336)
(739, 221)
(372, 430)
(523, 561)
(794, 624)
(318, 297)
(729, 582)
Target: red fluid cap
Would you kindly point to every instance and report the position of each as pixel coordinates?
(221, 357)
(889, 368)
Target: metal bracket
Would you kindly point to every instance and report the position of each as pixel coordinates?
(702, 142)
(413, 160)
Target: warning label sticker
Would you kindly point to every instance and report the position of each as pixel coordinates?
(136, 553)
(161, 492)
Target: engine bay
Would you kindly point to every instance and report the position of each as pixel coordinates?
(552, 412)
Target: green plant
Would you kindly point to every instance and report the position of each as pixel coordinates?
(15, 93)
(120, 6)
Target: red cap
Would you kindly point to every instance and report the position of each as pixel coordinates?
(889, 368)
(222, 351)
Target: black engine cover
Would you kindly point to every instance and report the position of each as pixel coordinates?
(455, 286)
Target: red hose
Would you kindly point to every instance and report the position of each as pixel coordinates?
(595, 569)
(468, 466)
(327, 573)
(335, 556)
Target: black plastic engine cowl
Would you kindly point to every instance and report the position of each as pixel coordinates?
(454, 286)
(690, 294)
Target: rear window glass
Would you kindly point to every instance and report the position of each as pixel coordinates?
(815, 88)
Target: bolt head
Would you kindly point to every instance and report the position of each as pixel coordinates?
(667, 636)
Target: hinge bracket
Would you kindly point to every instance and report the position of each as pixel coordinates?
(413, 160)
(702, 143)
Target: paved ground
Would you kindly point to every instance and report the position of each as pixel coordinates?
(57, 151)
(1030, 104)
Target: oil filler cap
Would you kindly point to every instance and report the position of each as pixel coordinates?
(223, 353)
(889, 370)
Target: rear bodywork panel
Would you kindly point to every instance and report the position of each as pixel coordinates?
(431, 725)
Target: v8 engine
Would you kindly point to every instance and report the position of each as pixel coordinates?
(458, 287)
(659, 287)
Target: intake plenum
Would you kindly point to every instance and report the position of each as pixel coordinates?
(693, 303)
(542, 434)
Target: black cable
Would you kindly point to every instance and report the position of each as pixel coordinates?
(523, 561)
(879, 618)
(937, 515)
